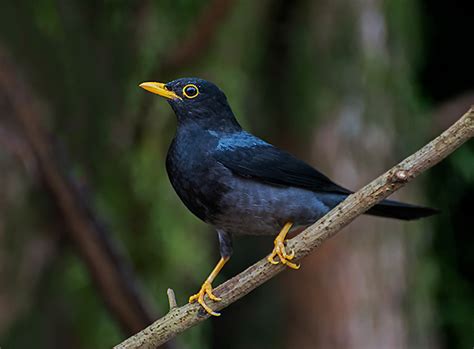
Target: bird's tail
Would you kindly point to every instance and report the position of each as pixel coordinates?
(400, 210)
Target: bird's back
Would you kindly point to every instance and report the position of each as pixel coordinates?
(243, 185)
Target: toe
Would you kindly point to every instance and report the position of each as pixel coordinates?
(293, 265)
(199, 297)
(209, 310)
(290, 256)
(212, 296)
(272, 260)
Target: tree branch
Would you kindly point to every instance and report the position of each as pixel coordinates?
(107, 266)
(189, 49)
(200, 35)
(182, 318)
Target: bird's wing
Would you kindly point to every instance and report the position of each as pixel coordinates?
(253, 158)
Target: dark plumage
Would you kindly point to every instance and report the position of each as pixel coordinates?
(239, 183)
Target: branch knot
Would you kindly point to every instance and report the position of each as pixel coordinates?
(400, 176)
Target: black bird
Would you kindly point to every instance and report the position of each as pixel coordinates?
(241, 184)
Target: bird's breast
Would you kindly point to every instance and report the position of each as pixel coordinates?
(196, 177)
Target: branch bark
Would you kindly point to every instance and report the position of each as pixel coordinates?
(182, 318)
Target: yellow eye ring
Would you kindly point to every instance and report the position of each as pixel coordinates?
(190, 91)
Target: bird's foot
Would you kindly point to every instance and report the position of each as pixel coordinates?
(206, 288)
(280, 251)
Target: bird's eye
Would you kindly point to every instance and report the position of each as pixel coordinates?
(190, 91)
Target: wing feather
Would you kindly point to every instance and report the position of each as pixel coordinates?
(261, 161)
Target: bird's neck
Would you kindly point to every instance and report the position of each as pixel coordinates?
(214, 117)
(197, 127)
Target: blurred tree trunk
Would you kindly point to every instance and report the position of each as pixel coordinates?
(353, 292)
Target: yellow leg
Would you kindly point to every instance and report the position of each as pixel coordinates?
(280, 250)
(206, 288)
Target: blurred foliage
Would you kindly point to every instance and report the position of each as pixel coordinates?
(451, 184)
(452, 247)
(283, 77)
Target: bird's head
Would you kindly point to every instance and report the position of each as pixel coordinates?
(196, 100)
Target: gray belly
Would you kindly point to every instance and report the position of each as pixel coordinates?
(255, 208)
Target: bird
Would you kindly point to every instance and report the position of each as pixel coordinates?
(242, 185)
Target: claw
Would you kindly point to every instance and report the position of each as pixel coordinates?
(206, 288)
(271, 259)
(284, 257)
(280, 250)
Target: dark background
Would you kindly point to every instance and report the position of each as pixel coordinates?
(92, 234)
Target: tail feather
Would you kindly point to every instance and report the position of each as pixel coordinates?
(400, 210)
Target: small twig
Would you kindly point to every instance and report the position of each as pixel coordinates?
(171, 299)
(10, 140)
(311, 238)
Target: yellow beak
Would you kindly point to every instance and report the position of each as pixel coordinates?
(159, 89)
